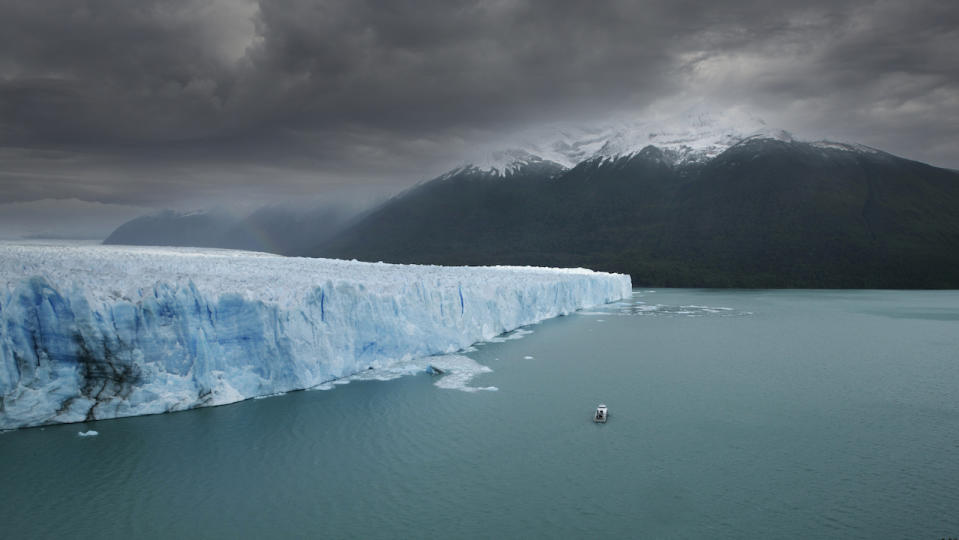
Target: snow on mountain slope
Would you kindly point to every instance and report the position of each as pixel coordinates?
(91, 332)
(692, 136)
(506, 163)
(846, 147)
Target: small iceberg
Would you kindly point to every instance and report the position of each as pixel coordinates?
(90, 433)
(433, 370)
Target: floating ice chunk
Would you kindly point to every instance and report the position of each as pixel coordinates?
(708, 308)
(519, 333)
(641, 308)
(459, 371)
(90, 433)
(270, 395)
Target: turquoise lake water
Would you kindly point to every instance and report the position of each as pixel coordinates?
(733, 414)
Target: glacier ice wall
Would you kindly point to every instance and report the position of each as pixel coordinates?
(92, 332)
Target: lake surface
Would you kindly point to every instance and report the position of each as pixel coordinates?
(733, 414)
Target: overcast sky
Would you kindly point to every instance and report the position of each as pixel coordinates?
(116, 107)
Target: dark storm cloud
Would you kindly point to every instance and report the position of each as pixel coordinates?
(154, 102)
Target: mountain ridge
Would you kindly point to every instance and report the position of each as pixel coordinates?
(766, 212)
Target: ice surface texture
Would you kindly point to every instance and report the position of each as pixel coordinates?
(92, 332)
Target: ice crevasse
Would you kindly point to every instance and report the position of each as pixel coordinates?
(93, 332)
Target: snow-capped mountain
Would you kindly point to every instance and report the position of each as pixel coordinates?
(693, 136)
(687, 205)
(506, 163)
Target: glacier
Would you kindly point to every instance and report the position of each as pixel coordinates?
(94, 332)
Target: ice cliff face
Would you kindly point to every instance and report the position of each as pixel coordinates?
(98, 332)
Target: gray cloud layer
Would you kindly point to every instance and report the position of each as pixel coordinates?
(160, 102)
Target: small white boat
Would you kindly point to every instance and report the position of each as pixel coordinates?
(602, 414)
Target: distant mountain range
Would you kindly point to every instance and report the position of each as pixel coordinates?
(276, 228)
(700, 207)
